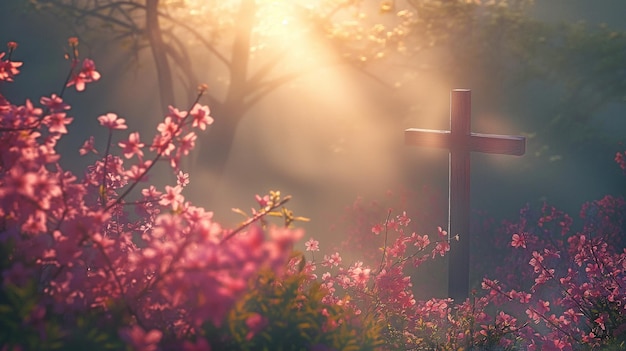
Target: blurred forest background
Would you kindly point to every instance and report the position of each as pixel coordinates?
(312, 97)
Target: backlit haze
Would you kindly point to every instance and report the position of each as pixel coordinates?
(332, 134)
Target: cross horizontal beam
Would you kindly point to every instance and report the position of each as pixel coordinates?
(477, 142)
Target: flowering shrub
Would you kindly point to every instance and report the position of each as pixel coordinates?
(90, 261)
(384, 291)
(81, 270)
(571, 282)
(555, 289)
(552, 283)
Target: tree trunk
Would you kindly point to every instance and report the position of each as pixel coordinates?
(159, 53)
(215, 150)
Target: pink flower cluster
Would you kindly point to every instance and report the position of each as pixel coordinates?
(9, 68)
(168, 265)
(574, 280)
(384, 290)
(557, 289)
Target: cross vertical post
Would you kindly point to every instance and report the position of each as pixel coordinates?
(460, 141)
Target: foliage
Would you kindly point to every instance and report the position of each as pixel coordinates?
(288, 314)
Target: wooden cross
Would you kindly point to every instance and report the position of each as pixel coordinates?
(461, 141)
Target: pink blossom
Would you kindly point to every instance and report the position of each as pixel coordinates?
(201, 116)
(182, 179)
(54, 103)
(421, 241)
(187, 143)
(89, 71)
(378, 228)
(28, 111)
(168, 128)
(132, 146)
(442, 233)
(398, 248)
(88, 146)
(175, 114)
(151, 192)
(536, 262)
(393, 225)
(441, 248)
(137, 173)
(524, 297)
(162, 144)
(403, 219)
(112, 121)
(56, 122)
(262, 201)
(312, 245)
(332, 260)
(543, 307)
(505, 319)
(518, 240)
(172, 196)
(359, 274)
(8, 69)
(87, 74)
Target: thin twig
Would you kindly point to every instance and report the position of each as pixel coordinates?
(262, 213)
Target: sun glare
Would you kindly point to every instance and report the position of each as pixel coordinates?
(276, 21)
(274, 18)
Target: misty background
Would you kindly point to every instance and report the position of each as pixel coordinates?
(335, 134)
